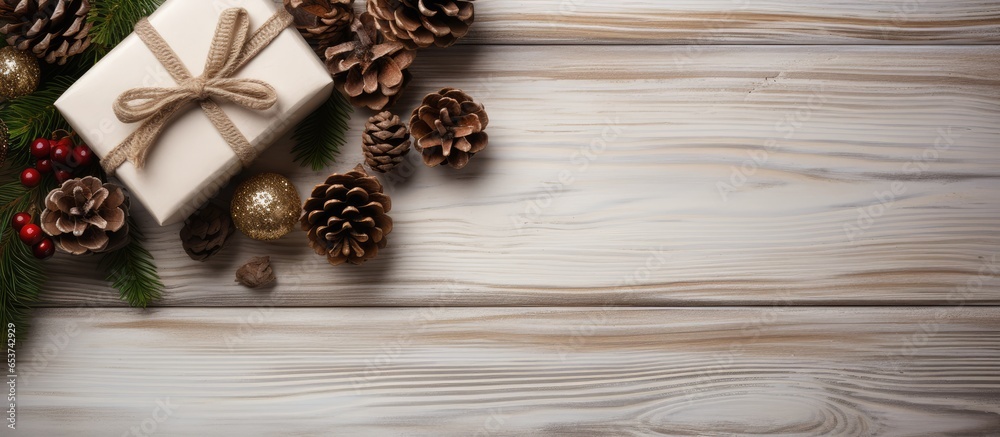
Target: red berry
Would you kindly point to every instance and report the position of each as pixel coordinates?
(82, 155)
(20, 220)
(40, 148)
(31, 177)
(44, 166)
(31, 234)
(44, 249)
(63, 176)
(60, 153)
(64, 141)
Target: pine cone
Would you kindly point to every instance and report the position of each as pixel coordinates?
(52, 30)
(385, 141)
(345, 217)
(84, 216)
(423, 23)
(448, 126)
(205, 232)
(323, 23)
(369, 70)
(256, 272)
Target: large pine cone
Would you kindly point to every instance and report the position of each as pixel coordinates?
(205, 232)
(52, 30)
(385, 141)
(345, 217)
(369, 70)
(323, 23)
(423, 23)
(448, 126)
(85, 216)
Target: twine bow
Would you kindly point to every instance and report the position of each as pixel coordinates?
(232, 47)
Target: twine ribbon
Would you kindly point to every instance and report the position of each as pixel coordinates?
(232, 47)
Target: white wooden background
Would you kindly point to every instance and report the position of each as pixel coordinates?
(713, 217)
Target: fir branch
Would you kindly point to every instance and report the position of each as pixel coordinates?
(12, 192)
(320, 135)
(132, 271)
(21, 274)
(113, 20)
(34, 116)
(21, 281)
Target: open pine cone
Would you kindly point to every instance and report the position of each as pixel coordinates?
(369, 70)
(205, 232)
(345, 217)
(85, 216)
(423, 23)
(323, 23)
(385, 141)
(448, 126)
(52, 30)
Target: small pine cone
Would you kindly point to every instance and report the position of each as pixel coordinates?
(323, 23)
(85, 216)
(52, 30)
(205, 232)
(448, 126)
(385, 141)
(345, 217)
(368, 69)
(256, 272)
(423, 23)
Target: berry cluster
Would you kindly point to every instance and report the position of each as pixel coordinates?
(32, 235)
(55, 155)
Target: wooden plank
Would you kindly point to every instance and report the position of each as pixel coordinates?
(812, 175)
(444, 372)
(701, 22)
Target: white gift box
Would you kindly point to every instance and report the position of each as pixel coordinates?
(190, 161)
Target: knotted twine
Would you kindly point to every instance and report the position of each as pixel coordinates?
(232, 47)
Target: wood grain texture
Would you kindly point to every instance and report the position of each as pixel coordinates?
(699, 22)
(810, 175)
(687, 172)
(508, 372)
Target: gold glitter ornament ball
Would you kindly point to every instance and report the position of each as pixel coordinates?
(266, 207)
(19, 73)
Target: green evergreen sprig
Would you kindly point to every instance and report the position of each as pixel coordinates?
(21, 275)
(319, 136)
(113, 20)
(21, 279)
(34, 116)
(132, 271)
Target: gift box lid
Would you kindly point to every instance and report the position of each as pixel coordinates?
(190, 161)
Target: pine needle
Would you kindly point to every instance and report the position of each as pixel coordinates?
(21, 274)
(34, 116)
(113, 20)
(132, 271)
(21, 281)
(320, 135)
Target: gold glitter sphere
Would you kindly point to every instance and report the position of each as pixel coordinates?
(266, 207)
(19, 73)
